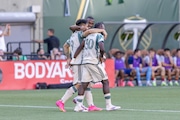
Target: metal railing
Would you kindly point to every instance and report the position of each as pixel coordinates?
(9, 45)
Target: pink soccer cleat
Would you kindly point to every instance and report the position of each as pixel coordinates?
(60, 105)
(130, 84)
(94, 108)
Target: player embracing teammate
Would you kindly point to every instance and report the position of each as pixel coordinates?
(75, 40)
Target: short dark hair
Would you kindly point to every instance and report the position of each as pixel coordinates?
(120, 52)
(136, 50)
(81, 21)
(89, 17)
(51, 30)
(177, 50)
(97, 25)
(152, 49)
(18, 51)
(166, 49)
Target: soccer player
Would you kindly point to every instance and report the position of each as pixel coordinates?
(167, 63)
(176, 60)
(92, 68)
(73, 43)
(90, 21)
(122, 71)
(135, 62)
(154, 61)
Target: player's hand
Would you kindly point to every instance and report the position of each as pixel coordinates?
(105, 34)
(8, 26)
(103, 59)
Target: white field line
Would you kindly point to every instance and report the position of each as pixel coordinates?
(70, 108)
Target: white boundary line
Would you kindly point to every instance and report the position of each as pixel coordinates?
(51, 107)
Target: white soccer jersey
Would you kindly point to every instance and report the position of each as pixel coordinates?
(74, 42)
(91, 48)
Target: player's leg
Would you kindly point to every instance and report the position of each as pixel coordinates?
(89, 99)
(117, 78)
(138, 75)
(169, 74)
(88, 94)
(80, 97)
(153, 76)
(69, 92)
(122, 77)
(131, 73)
(99, 74)
(148, 72)
(163, 76)
(107, 96)
(177, 71)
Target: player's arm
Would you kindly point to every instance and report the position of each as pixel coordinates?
(38, 41)
(175, 62)
(140, 65)
(130, 62)
(79, 49)
(66, 50)
(7, 31)
(95, 30)
(74, 28)
(102, 50)
(171, 61)
(159, 61)
(148, 60)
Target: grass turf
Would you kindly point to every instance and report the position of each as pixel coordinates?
(139, 103)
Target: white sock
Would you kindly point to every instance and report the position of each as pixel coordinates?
(89, 97)
(108, 99)
(69, 92)
(80, 99)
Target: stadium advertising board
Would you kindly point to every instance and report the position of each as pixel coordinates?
(23, 75)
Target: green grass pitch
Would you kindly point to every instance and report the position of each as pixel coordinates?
(139, 103)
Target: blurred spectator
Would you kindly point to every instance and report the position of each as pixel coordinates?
(17, 55)
(154, 61)
(112, 52)
(40, 55)
(5, 32)
(176, 60)
(135, 62)
(57, 54)
(122, 71)
(167, 63)
(52, 41)
(1, 55)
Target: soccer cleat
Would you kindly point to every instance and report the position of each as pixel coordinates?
(139, 83)
(170, 83)
(129, 83)
(154, 83)
(112, 107)
(148, 83)
(60, 105)
(75, 102)
(176, 83)
(79, 108)
(122, 83)
(94, 108)
(163, 83)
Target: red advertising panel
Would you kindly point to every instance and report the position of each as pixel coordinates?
(21, 75)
